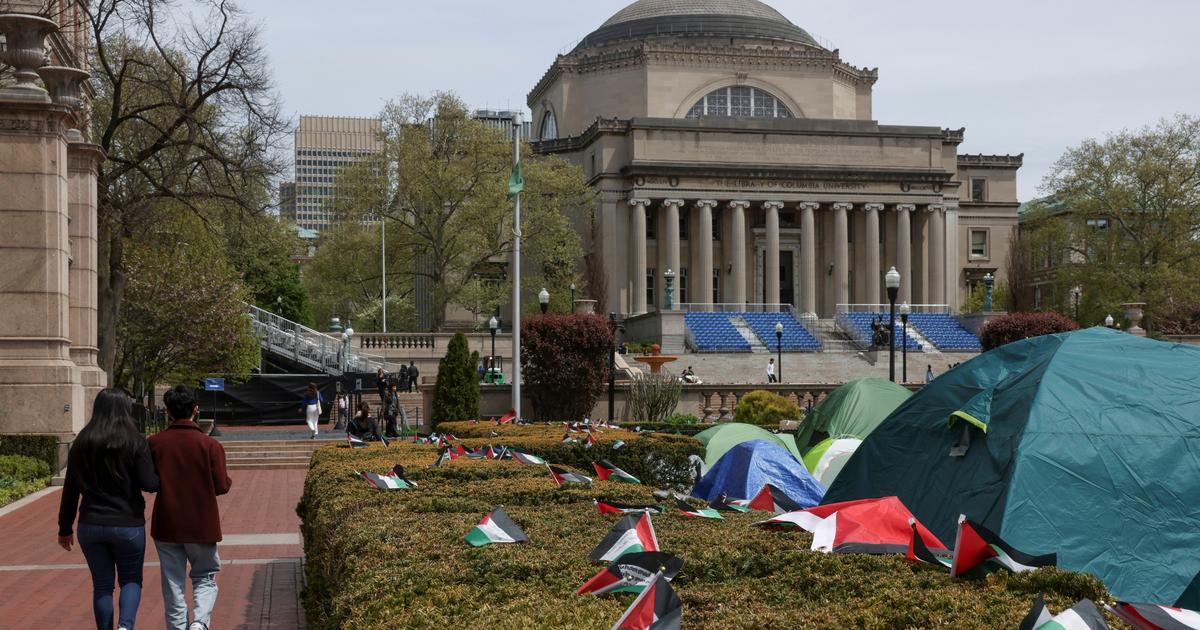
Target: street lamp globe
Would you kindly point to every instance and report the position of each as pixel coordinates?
(778, 328)
(544, 299)
(905, 310)
(493, 324)
(1108, 321)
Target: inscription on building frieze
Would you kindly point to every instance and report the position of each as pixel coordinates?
(20, 124)
(745, 183)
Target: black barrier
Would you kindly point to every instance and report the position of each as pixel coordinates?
(270, 399)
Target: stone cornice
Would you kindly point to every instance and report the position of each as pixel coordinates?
(991, 161)
(84, 157)
(799, 172)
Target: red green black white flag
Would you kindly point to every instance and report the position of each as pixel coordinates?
(772, 499)
(387, 482)
(974, 544)
(1156, 617)
(687, 509)
(632, 573)
(355, 441)
(562, 475)
(723, 504)
(657, 608)
(1038, 614)
(612, 507)
(918, 551)
(633, 533)
(1082, 616)
(526, 458)
(607, 471)
(496, 527)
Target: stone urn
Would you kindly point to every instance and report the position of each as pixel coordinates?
(1133, 313)
(25, 50)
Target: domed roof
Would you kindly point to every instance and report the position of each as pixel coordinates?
(740, 18)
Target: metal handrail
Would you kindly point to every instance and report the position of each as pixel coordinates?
(883, 308)
(700, 307)
(309, 347)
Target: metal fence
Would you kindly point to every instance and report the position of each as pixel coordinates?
(311, 348)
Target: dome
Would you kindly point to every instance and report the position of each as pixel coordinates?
(740, 18)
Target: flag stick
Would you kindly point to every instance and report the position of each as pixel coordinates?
(516, 254)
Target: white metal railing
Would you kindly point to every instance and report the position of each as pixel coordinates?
(311, 348)
(698, 307)
(883, 308)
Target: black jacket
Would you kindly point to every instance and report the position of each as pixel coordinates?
(110, 502)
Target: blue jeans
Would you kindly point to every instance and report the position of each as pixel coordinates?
(173, 558)
(114, 552)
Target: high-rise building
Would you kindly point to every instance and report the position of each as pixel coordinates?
(287, 201)
(324, 146)
(503, 120)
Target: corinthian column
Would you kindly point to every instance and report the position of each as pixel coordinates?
(671, 242)
(871, 253)
(83, 163)
(904, 249)
(737, 238)
(702, 253)
(637, 267)
(771, 277)
(808, 259)
(937, 254)
(841, 253)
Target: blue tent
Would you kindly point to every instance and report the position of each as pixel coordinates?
(744, 469)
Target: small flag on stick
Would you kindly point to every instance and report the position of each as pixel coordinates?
(634, 532)
(496, 527)
(632, 573)
(657, 608)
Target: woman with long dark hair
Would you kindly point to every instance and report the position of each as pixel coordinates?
(109, 465)
(312, 408)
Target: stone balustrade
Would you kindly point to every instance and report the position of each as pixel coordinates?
(402, 341)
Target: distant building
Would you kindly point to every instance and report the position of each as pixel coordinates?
(324, 146)
(503, 120)
(287, 201)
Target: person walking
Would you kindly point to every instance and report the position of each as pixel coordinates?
(403, 377)
(928, 373)
(381, 384)
(186, 523)
(109, 465)
(391, 410)
(413, 373)
(343, 412)
(771, 371)
(312, 408)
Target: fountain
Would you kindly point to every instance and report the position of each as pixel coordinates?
(655, 360)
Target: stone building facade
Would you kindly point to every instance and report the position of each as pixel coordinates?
(730, 147)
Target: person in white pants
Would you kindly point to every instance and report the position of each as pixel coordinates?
(312, 408)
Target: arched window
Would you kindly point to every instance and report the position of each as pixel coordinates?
(740, 102)
(549, 128)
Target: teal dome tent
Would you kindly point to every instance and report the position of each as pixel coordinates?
(1086, 444)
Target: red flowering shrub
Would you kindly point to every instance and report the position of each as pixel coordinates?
(1017, 326)
(564, 363)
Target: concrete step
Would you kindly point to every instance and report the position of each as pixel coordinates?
(282, 465)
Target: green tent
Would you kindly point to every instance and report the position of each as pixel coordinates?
(852, 410)
(723, 437)
(1086, 444)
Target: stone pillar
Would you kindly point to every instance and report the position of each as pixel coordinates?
(737, 247)
(841, 254)
(637, 236)
(670, 225)
(39, 384)
(701, 275)
(953, 273)
(808, 259)
(936, 292)
(83, 163)
(871, 253)
(904, 250)
(771, 275)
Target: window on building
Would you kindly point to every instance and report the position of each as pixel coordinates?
(741, 102)
(787, 219)
(979, 244)
(1098, 224)
(978, 189)
(652, 228)
(549, 130)
(650, 277)
(716, 296)
(716, 224)
(1037, 298)
(684, 224)
(683, 286)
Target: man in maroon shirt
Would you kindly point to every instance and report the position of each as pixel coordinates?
(186, 525)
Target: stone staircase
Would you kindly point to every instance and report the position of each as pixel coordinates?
(832, 338)
(270, 454)
(743, 328)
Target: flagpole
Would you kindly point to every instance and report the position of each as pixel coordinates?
(516, 265)
(383, 268)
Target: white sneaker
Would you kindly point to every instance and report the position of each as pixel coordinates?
(196, 625)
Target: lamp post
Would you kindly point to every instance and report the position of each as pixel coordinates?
(1076, 292)
(572, 309)
(617, 326)
(383, 270)
(779, 349)
(544, 300)
(905, 309)
(988, 282)
(892, 282)
(669, 274)
(1108, 321)
(493, 327)
(516, 266)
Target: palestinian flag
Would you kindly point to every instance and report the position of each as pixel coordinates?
(632, 573)
(508, 417)
(567, 439)
(606, 471)
(477, 453)
(495, 433)
(386, 482)
(447, 454)
(503, 453)
(919, 552)
(449, 436)
(687, 509)
(1037, 615)
(1082, 616)
(632, 533)
(355, 441)
(496, 527)
(489, 452)
(975, 544)
(657, 608)
(590, 441)
(561, 476)
(526, 458)
(1155, 617)
(618, 444)
(772, 499)
(723, 504)
(612, 507)
(383, 438)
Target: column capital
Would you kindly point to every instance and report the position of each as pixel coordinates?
(905, 207)
(808, 205)
(739, 205)
(679, 203)
(636, 201)
(934, 207)
(873, 207)
(772, 205)
(706, 203)
(843, 206)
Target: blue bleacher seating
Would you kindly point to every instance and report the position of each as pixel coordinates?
(858, 323)
(944, 332)
(796, 337)
(715, 332)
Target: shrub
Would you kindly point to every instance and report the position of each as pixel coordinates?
(681, 418)
(22, 468)
(456, 392)
(1017, 326)
(653, 397)
(564, 361)
(380, 560)
(764, 408)
(43, 447)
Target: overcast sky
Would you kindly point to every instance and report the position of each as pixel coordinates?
(1031, 76)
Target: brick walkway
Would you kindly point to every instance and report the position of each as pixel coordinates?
(44, 587)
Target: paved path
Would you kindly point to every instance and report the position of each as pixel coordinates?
(44, 587)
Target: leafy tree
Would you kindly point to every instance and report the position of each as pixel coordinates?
(261, 249)
(765, 408)
(456, 392)
(564, 359)
(1121, 220)
(441, 180)
(1012, 327)
(343, 279)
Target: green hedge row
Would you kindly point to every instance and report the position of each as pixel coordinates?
(21, 475)
(378, 559)
(43, 447)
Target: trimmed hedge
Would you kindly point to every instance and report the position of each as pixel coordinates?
(43, 447)
(378, 560)
(21, 475)
(1012, 327)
